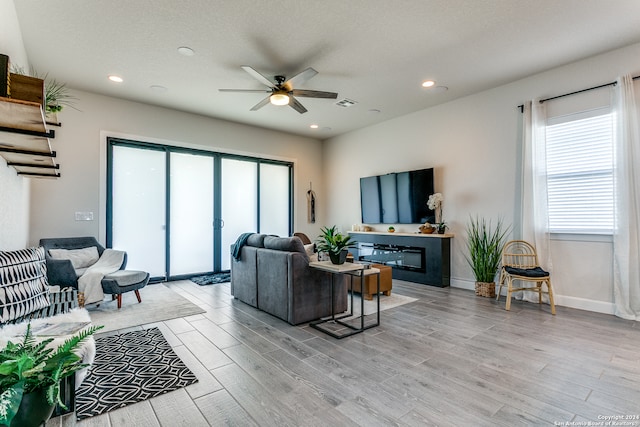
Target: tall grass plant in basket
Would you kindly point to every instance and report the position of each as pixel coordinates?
(485, 244)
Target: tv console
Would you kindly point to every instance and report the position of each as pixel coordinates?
(421, 258)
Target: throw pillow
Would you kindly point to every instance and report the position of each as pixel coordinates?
(80, 258)
(23, 283)
(310, 249)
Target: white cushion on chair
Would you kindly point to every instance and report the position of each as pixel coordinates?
(127, 277)
(80, 258)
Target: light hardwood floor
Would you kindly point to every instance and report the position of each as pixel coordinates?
(448, 359)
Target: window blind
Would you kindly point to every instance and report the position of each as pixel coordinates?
(580, 173)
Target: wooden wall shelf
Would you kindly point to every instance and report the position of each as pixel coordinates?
(24, 139)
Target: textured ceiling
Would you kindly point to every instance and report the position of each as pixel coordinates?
(375, 52)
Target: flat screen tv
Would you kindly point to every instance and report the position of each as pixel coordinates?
(397, 198)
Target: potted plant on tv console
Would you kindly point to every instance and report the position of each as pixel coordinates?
(30, 375)
(335, 244)
(485, 250)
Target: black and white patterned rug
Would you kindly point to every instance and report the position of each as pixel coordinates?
(212, 279)
(130, 368)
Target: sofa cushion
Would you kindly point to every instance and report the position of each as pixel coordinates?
(80, 258)
(288, 244)
(256, 240)
(23, 283)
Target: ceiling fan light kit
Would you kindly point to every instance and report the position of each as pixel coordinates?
(281, 90)
(279, 99)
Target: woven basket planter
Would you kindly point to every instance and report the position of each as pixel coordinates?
(486, 289)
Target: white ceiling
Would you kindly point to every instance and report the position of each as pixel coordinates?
(375, 52)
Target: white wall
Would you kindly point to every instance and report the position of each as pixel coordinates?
(472, 143)
(14, 190)
(80, 144)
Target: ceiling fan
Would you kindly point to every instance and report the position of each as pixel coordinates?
(281, 90)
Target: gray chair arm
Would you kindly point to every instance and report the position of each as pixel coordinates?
(61, 272)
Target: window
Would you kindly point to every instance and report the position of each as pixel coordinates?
(580, 172)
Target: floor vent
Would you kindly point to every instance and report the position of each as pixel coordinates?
(346, 103)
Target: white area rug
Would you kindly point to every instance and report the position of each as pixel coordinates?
(158, 303)
(386, 302)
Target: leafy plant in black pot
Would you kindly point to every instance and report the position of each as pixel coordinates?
(335, 244)
(30, 375)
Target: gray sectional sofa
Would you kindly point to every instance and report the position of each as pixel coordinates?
(273, 275)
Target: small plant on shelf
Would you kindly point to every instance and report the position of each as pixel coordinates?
(56, 94)
(391, 229)
(441, 227)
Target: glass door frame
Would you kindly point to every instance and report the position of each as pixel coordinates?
(218, 222)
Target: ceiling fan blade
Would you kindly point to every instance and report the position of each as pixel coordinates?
(300, 78)
(295, 104)
(314, 94)
(246, 90)
(256, 75)
(261, 104)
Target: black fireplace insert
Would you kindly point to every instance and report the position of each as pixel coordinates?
(397, 256)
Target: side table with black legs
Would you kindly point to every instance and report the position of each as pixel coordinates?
(350, 269)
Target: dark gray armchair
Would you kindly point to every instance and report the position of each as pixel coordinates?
(62, 273)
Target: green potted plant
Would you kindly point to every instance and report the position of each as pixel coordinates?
(335, 244)
(441, 227)
(485, 244)
(56, 94)
(30, 375)
(391, 229)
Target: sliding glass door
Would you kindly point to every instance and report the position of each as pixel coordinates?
(138, 208)
(191, 214)
(275, 197)
(178, 211)
(239, 202)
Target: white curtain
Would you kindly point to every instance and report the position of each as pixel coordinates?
(535, 217)
(626, 239)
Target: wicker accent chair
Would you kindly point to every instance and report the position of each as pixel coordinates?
(305, 239)
(520, 262)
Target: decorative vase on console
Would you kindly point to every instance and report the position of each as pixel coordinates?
(435, 204)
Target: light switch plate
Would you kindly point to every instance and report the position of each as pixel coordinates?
(84, 216)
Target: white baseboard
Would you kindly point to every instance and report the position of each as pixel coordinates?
(561, 300)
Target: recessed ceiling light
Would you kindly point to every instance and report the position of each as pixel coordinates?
(428, 83)
(186, 51)
(373, 111)
(314, 126)
(158, 88)
(116, 79)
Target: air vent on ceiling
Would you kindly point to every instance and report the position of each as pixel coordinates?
(346, 103)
